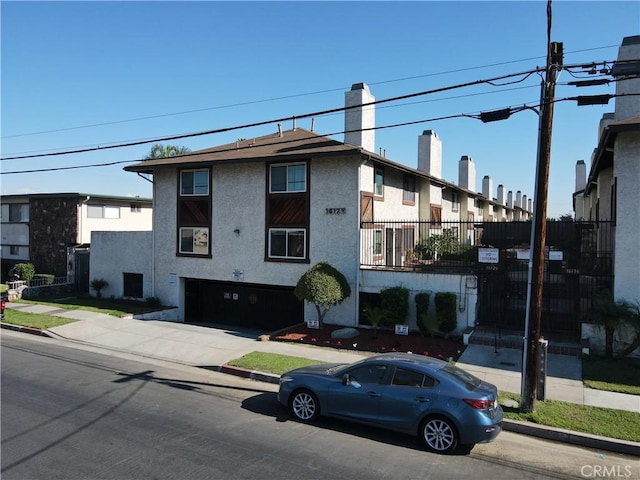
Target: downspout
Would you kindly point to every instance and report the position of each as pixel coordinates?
(359, 243)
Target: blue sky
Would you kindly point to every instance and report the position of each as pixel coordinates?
(83, 74)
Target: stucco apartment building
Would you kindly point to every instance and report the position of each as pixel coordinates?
(49, 229)
(610, 191)
(235, 226)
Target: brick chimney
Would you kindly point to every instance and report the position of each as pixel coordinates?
(467, 173)
(356, 120)
(430, 153)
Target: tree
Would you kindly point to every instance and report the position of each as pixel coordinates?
(324, 286)
(163, 151)
(98, 285)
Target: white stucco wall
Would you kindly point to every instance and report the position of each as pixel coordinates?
(238, 193)
(627, 238)
(115, 253)
(128, 220)
(464, 286)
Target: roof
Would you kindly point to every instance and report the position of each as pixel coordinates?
(603, 155)
(291, 144)
(83, 196)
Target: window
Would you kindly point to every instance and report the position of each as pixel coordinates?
(18, 212)
(287, 212)
(194, 213)
(288, 178)
(377, 242)
(409, 189)
(455, 202)
(407, 378)
(103, 211)
(194, 240)
(287, 243)
(194, 182)
(14, 250)
(369, 374)
(378, 182)
(132, 285)
(135, 208)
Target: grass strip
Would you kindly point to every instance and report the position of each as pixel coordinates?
(34, 320)
(271, 362)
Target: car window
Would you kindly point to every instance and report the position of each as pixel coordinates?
(369, 374)
(407, 378)
(469, 381)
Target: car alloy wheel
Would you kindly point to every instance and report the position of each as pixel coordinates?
(439, 435)
(304, 406)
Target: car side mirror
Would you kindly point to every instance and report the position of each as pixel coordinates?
(345, 379)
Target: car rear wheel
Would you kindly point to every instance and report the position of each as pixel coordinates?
(304, 406)
(439, 434)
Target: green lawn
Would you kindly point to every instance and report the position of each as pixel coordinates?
(613, 375)
(25, 319)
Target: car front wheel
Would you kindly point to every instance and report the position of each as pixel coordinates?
(439, 434)
(304, 406)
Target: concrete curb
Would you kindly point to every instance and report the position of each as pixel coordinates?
(525, 428)
(20, 328)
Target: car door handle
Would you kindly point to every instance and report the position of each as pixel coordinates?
(422, 399)
(373, 394)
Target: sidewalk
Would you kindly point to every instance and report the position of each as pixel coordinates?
(212, 348)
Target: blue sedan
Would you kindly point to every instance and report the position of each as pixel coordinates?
(440, 403)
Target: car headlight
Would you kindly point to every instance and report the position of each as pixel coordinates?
(285, 380)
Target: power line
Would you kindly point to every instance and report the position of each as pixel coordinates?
(277, 120)
(285, 97)
(477, 116)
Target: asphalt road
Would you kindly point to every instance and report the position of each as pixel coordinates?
(74, 413)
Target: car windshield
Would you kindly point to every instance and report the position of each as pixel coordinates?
(338, 369)
(467, 380)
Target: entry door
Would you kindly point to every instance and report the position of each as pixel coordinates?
(393, 247)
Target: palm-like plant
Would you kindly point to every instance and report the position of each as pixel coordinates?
(159, 150)
(611, 315)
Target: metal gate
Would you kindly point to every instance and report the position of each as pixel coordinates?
(577, 269)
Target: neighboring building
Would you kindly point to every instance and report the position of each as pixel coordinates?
(47, 229)
(610, 192)
(235, 226)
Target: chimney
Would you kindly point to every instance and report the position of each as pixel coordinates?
(487, 187)
(510, 199)
(627, 83)
(501, 198)
(357, 120)
(530, 205)
(430, 153)
(518, 199)
(467, 173)
(581, 175)
(525, 204)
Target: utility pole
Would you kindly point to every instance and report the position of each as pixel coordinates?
(531, 347)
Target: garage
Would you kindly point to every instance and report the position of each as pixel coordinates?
(261, 307)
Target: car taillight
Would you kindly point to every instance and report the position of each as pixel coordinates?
(3, 304)
(479, 404)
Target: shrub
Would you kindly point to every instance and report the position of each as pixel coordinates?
(47, 277)
(25, 270)
(324, 286)
(153, 301)
(98, 284)
(446, 311)
(422, 300)
(374, 315)
(395, 302)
